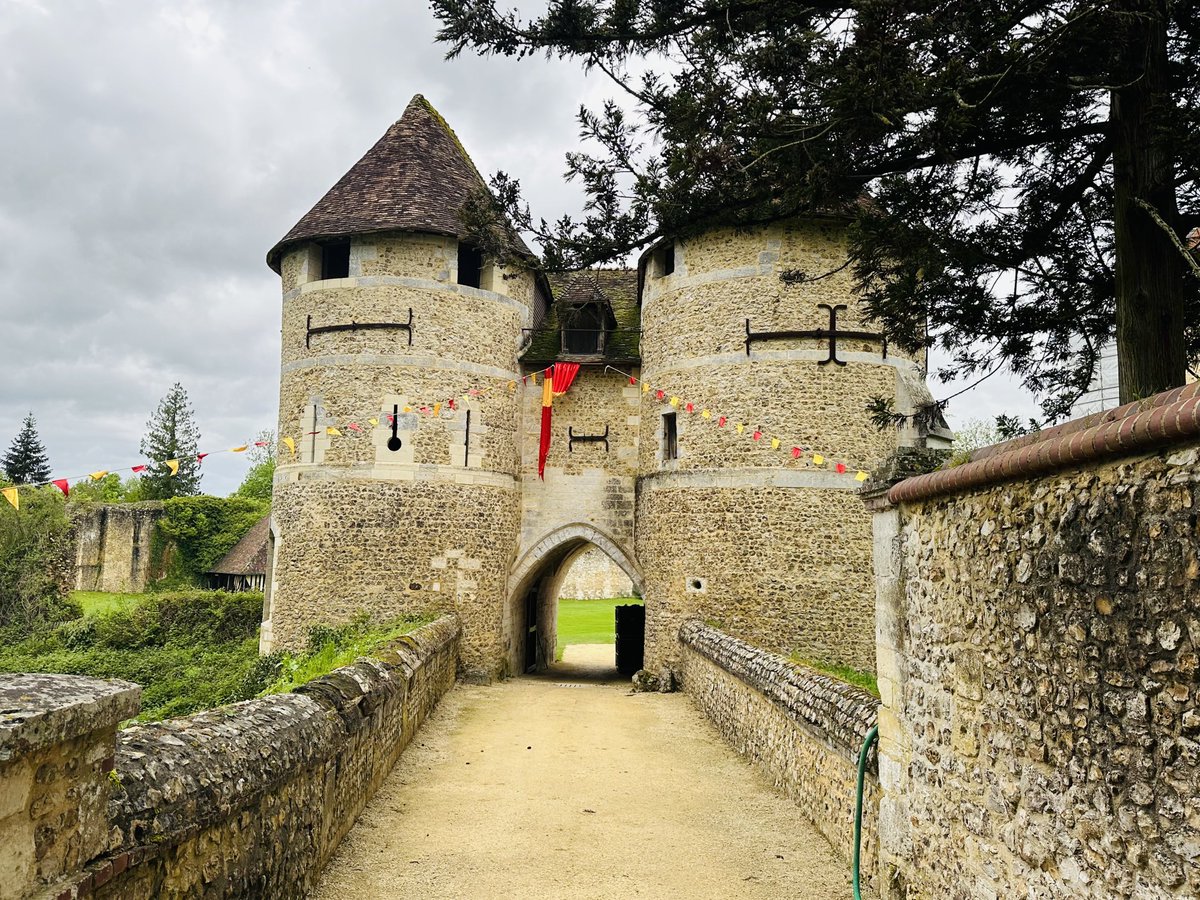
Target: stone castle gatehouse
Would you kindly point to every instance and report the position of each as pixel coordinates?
(388, 309)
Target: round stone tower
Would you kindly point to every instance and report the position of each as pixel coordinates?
(771, 547)
(397, 386)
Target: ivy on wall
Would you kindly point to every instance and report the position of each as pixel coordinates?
(195, 532)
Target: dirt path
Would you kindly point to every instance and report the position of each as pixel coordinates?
(570, 786)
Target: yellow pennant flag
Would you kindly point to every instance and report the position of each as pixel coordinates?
(512, 385)
(818, 459)
(373, 420)
(11, 495)
(238, 449)
(437, 409)
(645, 388)
(774, 443)
(96, 476)
(173, 464)
(740, 427)
(290, 444)
(408, 409)
(705, 414)
(861, 476)
(675, 401)
(333, 431)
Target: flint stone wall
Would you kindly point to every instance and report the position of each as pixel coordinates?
(251, 800)
(1038, 661)
(804, 730)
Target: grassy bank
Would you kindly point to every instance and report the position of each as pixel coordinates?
(189, 650)
(588, 621)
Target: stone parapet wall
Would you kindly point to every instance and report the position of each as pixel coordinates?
(112, 546)
(250, 800)
(803, 729)
(1038, 647)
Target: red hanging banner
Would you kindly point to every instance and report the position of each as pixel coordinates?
(554, 384)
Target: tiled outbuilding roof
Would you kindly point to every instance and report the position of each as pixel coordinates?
(249, 555)
(415, 178)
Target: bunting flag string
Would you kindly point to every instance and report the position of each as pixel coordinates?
(555, 380)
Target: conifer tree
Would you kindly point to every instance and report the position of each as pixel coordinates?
(171, 433)
(26, 461)
(1022, 180)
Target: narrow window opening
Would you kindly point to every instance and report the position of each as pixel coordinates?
(470, 265)
(467, 443)
(335, 261)
(667, 261)
(670, 437)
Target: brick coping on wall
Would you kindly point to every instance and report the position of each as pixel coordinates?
(1145, 425)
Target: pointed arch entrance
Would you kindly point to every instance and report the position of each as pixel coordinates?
(534, 586)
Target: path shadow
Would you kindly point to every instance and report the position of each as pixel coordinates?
(585, 664)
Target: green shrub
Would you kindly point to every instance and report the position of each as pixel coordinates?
(36, 556)
(195, 532)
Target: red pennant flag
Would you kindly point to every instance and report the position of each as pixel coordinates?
(689, 408)
(257, 444)
(721, 422)
(138, 469)
(632, 380)
(63, 486)
(451, 403)
(757, 435)
(659, 394)
(200, 457)
(841, 468)
(559, 379)
(474, 392)
(795, 453)
(353, 426)
(391, 418)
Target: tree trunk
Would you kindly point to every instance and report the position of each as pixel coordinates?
(1150, 271)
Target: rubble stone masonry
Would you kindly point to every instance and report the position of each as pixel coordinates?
(1039, 632)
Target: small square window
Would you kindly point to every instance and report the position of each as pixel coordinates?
(470, 265)
(335, 261)
(670, 446)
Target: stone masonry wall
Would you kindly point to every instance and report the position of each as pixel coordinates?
(1039, 643)
(112, 546)
(250, 800)
(804, 730)
(593, 576)
(775, 549)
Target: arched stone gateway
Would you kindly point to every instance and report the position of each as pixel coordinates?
(534, 587)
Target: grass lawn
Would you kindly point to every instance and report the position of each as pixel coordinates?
(95, 602)
(589, 621)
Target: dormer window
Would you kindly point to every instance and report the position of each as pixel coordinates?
(335, 260)
(584, 330)
(470, 265)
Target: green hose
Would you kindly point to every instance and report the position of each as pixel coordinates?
(872, 737)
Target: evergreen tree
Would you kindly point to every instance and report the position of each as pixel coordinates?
(171, 433)
(26, 461)
(1021, 178)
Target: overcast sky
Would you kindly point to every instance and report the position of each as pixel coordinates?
(151, 153)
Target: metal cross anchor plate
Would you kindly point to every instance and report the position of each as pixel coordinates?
(822, 334)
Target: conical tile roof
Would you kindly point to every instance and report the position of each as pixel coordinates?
(415, 178)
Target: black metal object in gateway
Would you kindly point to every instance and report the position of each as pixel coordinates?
(631, 638)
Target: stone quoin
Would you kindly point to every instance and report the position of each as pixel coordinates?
(388, 308)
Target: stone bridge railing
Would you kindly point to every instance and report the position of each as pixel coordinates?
(248, 800)
(803, 729)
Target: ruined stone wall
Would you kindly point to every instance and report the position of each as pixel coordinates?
(1038, 644)
(432, 524)
(804, 730)
(112, 546)
(775, 549)
(250, 800)
(591, 575)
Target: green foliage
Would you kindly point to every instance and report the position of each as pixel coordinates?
(257, 483)
(189, 651)
(26, 461)
(36, 554)
(1018, 177)
(201, 530)
(171, 433)
(332, 647)
(589, 621)
(860, 679)
(94, 602)
(109, 489)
